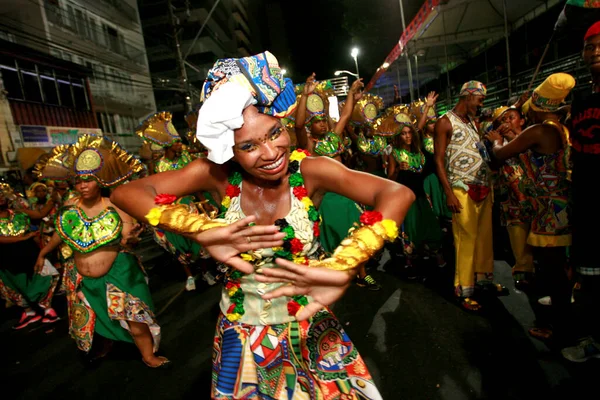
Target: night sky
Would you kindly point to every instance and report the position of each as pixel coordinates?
(321, 34)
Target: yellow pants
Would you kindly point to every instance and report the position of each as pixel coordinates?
(521, 250)
(472, 229)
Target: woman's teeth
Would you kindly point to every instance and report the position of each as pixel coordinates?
(274, 165)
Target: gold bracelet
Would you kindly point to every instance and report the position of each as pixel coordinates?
(361, 244)
(178, 218)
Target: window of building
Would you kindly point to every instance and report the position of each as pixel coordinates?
(53, 11)
(64, 90)
(70, 17)
(31, 86)
(49, 87)
(79, 94)
(112, 36)
(10, 79)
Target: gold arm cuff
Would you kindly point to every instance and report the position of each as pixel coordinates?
(178, 218)
(359, 246)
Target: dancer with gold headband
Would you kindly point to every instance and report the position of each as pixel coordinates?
(275, 337)
(111, 296)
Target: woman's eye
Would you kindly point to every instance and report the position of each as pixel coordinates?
(247, 147)
(277, 133)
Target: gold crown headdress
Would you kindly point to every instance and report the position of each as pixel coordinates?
(158, 129)
(100, 159)
(367, 109)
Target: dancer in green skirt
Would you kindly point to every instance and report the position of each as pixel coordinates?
(19, 283)
(111, 295)
(421, 230)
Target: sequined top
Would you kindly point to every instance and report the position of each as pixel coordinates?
(85, 234)
(267, 312)
(164, 164)
(372, 146)
(428, 144)
(16, 224)
(330, 145)
(415, 161)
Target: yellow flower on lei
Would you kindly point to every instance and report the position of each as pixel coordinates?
(297, 156)
(307, 202)
(247, 257)
(391, 229)
(232, 291)
(153, 216)
(299, 259)
(226, 202)
(234, 317)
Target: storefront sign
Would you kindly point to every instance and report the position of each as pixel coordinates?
(50, 136)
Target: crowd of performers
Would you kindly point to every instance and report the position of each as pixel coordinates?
(295, 206)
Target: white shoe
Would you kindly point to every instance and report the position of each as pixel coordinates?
(190, 284)
(209, 278)
(545, 301)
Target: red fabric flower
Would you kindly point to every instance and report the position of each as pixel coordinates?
(305, 152)
(300, 192)
(229, 285)
(316, 229)
(232, 191)
(231, 308)
(293, 307)
(164, 199)
(296, 245)
(371, 217)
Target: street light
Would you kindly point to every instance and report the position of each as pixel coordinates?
(338, 73)
(354, 55)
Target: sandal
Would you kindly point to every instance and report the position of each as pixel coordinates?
(165, 363)
(541, 333)
(469, 304)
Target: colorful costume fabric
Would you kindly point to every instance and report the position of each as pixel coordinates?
(515, 197)
(104, 304)
(18, 282)
(548, 174)
(260, 350)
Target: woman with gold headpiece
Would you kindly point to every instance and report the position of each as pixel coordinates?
(274, 334)
(112, 298)
(338, 213)
(19, 283)
(421, 229)
(158, 130)
(369, 143)
(426, 117)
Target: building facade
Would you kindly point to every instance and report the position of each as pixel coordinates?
(105, 37)
(202, 36)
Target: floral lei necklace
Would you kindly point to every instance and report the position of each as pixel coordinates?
(292, 247)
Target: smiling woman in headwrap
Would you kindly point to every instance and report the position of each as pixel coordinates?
(275, 337)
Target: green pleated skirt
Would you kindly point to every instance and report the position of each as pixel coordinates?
(338, 215)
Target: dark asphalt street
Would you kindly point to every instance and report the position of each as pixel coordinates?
(417, 343)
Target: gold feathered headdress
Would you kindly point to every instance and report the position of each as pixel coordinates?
(158, 129)
(402, 115)
(100, 159)
(52, 165)
(366, 109)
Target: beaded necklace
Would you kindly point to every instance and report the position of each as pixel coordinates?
(293, 243)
